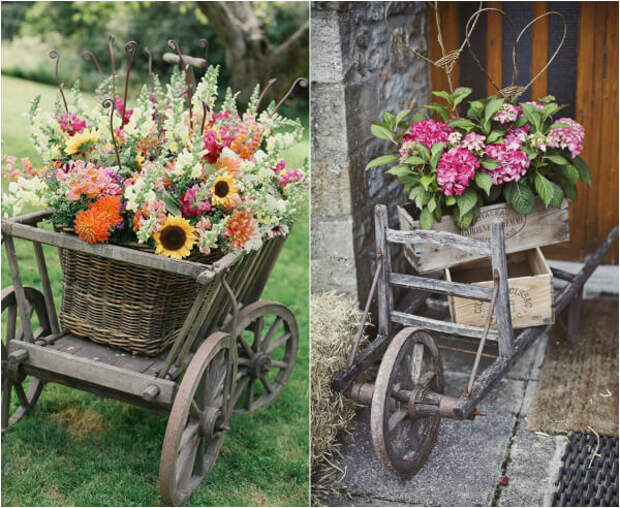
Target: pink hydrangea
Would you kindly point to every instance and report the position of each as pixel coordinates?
(507, 113)
(71, 124)
(192, 208)
(428, 132)
(513, 163)
(455, 171)
(516, 136)
(474, 142)
(567, 137)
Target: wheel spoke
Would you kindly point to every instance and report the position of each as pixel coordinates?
(187, 458)
(266, 384)
(278, 343)
(246, 347)
(11, 320)
(243, 361)
(240, 386)
(416, 362)
(272, 329)
(194, 410)
(199, 464)
(258, 329)
(427, 378)
(396, 418)
(6, 403)
(279, 364)
(188, 434)
(250, 394)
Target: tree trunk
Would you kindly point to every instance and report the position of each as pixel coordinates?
(249, 57)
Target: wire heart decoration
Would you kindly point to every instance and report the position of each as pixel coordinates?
(513, 91)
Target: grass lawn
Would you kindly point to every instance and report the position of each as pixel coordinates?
(79, 449)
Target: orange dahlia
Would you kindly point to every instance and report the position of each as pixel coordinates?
(92, 226)
(240, 228)
(230, 165)
(110, 207)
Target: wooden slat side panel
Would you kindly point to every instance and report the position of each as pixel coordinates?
(540, 43)
(448, 12)
(495, 38)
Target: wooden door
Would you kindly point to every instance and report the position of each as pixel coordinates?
(584, 75)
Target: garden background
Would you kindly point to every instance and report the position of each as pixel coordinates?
(76, 448)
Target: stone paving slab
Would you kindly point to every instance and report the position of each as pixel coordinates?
(603, 281)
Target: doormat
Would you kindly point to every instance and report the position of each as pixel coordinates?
(578, 387)
(589, 472)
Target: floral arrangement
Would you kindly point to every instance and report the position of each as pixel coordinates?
(498, 152)
(173, 172)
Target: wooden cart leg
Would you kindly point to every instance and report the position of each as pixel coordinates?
(573, 317)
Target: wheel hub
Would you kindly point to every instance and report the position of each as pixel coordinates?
(211, 422)
(260, 364)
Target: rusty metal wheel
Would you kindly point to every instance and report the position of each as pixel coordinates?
(199, 419)
(267, 343)
(27, 388)
(410, 363)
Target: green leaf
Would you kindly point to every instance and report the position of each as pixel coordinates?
(494, 136)
(558, 195)
(475, 109)
(450, 200)
(533, 115)
(549, 109)
(546, 99)
(484, 181)
(571, 173)
(417, 117)
(401, 116)
(520, 196)
(544, 188)
(438, 214)
(432, 204)
(389, 119)
(436, 151)
(411, 179)
(381, 132)
(492, 107)
(570, 190)
(468, 219)
(415, 161)
(463, 123)
(496, 190)
(423, 152)
(438, 109)
(443, 95)
(419, 196)
(172, 204)
(461, 93)
(381, 161)
(557, 159)
(400, 171)
(426, 219)
(521, 121)
(584, 172)
(466, 201)
(489, 164)
(426, 180)
(559, 125)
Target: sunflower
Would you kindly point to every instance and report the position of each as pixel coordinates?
(175, 238)
(82, 141)
(223, 191)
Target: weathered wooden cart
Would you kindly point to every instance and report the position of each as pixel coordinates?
(233, 354)
(407, 399)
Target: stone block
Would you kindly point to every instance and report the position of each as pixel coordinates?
(332, 238)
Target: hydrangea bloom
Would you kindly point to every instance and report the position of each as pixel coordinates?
(539, 141)
(507, 113)
(567, 137)
(454, 138)
(428, 132)
(455, 171)
(513, 163)
(474, 143)
(516, 136)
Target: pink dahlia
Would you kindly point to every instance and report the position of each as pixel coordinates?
(192, 208)
(567, 137)
(455, 171)
(516, 136)
(513, 163)
(507, 113)
(428, 132)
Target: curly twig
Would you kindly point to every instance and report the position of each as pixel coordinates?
(150, 67)
(130, 48)
(106, 104)
(204, 43)
(303, 82)
(89, 56)
(111, 50)
(262, 94)
(53, 54)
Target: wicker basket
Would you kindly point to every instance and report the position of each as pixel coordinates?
(141, 310)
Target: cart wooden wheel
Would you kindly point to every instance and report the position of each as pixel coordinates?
(199, 419)
(410, 362)
(267, 343)
(27, 388)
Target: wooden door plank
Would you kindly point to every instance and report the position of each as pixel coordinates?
(540, 49)
(449, 14)
(495, 41)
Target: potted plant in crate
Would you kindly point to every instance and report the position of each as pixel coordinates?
(483, 159)
(176, 175)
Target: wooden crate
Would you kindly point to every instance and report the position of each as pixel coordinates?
(542, 226)
(530, 284)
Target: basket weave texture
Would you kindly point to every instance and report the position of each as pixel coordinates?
(141, 310)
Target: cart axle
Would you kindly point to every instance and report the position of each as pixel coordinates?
(420, 401)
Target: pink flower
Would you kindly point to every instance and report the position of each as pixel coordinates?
(192, 208)
(513, 163)
(474, 142)
(214, 143)
(290, 176)
(455, 171)
(428, 132)
(119, 104)
(516, 136)
(507, 113)
(279, 167)
(71, 124)
(567, 137)
(86, 179)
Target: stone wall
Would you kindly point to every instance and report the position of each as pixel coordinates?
(357, 73)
